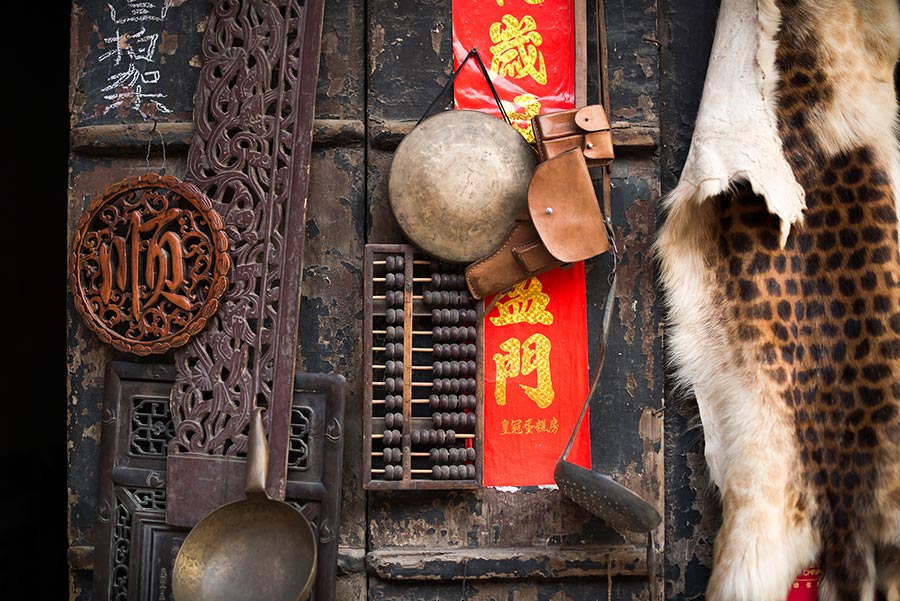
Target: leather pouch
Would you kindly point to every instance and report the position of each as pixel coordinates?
(561, 224)
(586, 128)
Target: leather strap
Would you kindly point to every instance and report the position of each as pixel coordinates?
(604, 336)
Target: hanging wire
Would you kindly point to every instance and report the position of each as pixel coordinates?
(487, 78)
(162, 143)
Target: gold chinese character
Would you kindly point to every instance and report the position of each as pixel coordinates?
(500, 2)
(521, 120)
(515, 50)
(536, 357)
(526, 303)
(531, 356)
(507, 367)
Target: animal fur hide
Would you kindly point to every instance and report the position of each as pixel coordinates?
(780, 266)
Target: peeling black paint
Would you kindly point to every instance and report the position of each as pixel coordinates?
(686, 33)
(407, 74)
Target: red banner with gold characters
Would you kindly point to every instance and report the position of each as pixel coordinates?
(535, 338)
(528, 47)
(536, 380)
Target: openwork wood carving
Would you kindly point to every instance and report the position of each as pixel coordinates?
(149, 264)
(135, 547)
(253, 113)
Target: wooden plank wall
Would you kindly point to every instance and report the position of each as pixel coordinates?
(382, 62)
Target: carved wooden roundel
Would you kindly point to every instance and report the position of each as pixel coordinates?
(149, 264)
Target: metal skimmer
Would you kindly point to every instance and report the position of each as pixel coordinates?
(601, 495)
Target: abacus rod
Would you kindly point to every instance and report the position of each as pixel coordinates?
(416, 367)
(381, 471)
(415, 349)
(416, 262)
(414, 279)
(429, 384)
(420, 332)
(413, 401)
(458, 435)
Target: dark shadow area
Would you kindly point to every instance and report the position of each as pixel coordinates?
(33, 541)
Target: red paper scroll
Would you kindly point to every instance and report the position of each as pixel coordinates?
(528, 47)
(535, 357)
(536, 380)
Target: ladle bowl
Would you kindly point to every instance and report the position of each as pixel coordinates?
(255, 549)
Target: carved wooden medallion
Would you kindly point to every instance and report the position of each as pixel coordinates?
(149, 264)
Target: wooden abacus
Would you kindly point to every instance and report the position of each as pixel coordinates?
(423, 373)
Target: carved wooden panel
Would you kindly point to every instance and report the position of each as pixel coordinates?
(135, 548)
(253, 112)
(149, 263)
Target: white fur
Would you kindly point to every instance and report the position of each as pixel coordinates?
(750, 441)
(750, 448)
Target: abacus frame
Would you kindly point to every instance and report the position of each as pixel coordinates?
(415, 372)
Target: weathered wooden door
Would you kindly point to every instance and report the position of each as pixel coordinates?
(382, 63)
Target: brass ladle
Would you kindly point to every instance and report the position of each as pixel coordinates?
(254, 549)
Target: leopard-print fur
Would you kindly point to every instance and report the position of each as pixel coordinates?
(806, 332)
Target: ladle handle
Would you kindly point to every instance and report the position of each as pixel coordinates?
(257, 455)
(601, 351)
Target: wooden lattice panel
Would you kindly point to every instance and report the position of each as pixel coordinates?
(423, 366)
(135, 548)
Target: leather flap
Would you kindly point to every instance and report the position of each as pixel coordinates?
(556, 123)
(564, 208)
(557, 146)
(598, 146)
(533, 256)
(592, 118)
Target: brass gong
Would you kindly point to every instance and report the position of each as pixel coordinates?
(457, 182)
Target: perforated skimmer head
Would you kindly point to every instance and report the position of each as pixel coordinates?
(605, 498)
(601, 495)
